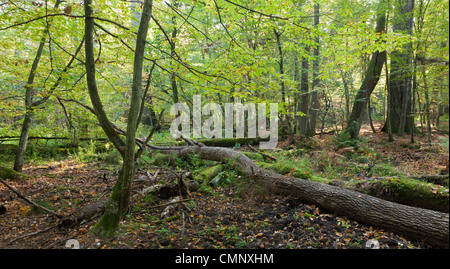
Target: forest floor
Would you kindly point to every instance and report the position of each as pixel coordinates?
(223, 218)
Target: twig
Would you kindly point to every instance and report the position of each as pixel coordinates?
(184, 225)
(263, 154)
(171, 203)
(34, 233)
(29, 201)
(191, 142)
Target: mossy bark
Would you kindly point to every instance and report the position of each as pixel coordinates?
(11, 174)
(108, 224)
(120, 198)
(208, 174)
(404, 191)
(416, 223)
(228, 142)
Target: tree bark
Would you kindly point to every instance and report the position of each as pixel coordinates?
(314, 92)
(281, 64)
(400, 75)
(26, 126)
(173, 80)
(416, 223)
(304, 99)
(120, 196)
(369, 83)
(92, 82)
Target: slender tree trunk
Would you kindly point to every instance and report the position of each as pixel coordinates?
(304, 96)
(315, 85)
(388, 123)
(26, 126)
(369, 111)
(346, 85)
(119, 201)
(281, 64)
(369, 83)
(427, 104)
(413, 106)
(173, 79)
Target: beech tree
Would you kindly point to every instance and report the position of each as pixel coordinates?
(370, 81)
(400, 80)
(120, 196)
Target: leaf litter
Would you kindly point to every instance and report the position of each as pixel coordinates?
(219, 219)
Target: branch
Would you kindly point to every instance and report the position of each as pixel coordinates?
(58, 81)
(269, 15)
(226, 29)
(29, 201)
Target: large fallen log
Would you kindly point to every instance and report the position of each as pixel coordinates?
(415, 223)
(405, 191)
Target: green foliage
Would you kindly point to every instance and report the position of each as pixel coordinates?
(300, 168)
(93, 151)
(344, 140)
(42, 203)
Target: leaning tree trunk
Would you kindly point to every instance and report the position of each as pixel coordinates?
(370, 81)
(416, 223)
(26, 126)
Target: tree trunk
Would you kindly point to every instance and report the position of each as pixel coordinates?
(427, 104)
(29, 105)
(120, 196)
(24, 133)
(400, 74)
(416, 223)
(281, 64)
(26, 126)
(173, 79)
(315, 85)
(304, 96)
(368, 84)
(345, 81)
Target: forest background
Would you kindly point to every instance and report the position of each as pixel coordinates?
(76, 73)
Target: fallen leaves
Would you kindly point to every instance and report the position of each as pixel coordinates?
(219, 219)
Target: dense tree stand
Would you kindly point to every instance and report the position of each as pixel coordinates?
(416, 223)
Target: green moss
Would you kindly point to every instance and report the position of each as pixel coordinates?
(42, 203)
(8, 173)
(160, 159)
(254, 156)
(296, 169)
(109, 223)
(206, 175)
(418, 192)
(405, 191)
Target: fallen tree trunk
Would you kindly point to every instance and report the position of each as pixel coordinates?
(27, 200)
(416, 223)
(11, 174)
(405, 191)
(229, 142)
(436, 179)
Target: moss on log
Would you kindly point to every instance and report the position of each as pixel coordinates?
(208, 174)
(8, 173)
(416, 223)
(227, 142)
(402, 190)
